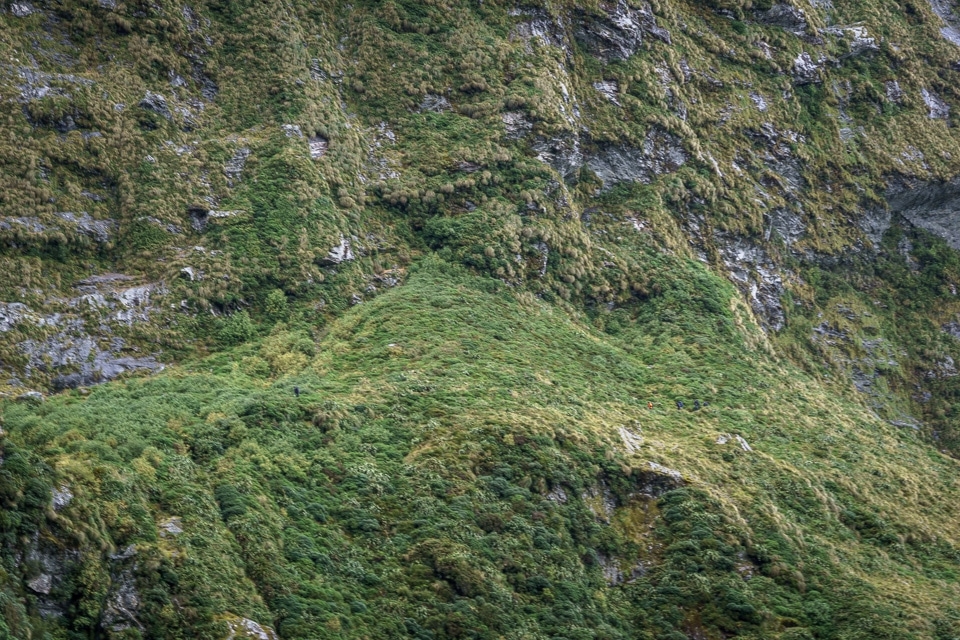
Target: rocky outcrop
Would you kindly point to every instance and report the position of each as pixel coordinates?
(661, 153)
(343, 252)
(937, 109)
(157, 103)
(858, 39)
(563, 153)
(242, 628)
(946, 10)
(757, 275)
(539, 26)
(933, 206)
(618, 31)
(233, 168)
(805, 70)
(784, 16)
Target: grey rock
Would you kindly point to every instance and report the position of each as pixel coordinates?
(563, 153)
(757, 276)
(784, 16)
(600, 501)
(946, 11)
(435, 103)
(952, 329)
(611, 570)
(36, 84)
(123, 603)
(343, 252)
(246, 628)
(62, 496)
(516, 124)
(126, 554)
(85, 224)
(233, 168)
(618, 32)
(12, 314)
(30, 223)
(292, 130)
(875, 223)
(318, 146)
(786, 224)
(759, 101)
(157, 103)
(805, 70)
(937, 109)
(666, 472)
(933, 206)
(610, 90)
(110, 5)
(43, 583)
(893, 91)
(30, 396)
(632, 440)
(662, 153)
(538, 25)
(78, 359)
(558, 495)
(22, 9)
(858, 39)
(171, 526)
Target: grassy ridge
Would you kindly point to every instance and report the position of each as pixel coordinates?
(454, 467)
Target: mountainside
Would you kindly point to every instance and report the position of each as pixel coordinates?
(480, 319)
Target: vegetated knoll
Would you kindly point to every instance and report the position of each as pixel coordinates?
(466, 461)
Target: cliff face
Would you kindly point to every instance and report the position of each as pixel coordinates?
(479, 237)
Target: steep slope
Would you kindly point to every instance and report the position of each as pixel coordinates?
(479, 237)
(461, 464)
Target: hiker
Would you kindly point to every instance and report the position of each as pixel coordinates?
(296, 391)
(649, 405)
(696, 405)
(679, 405)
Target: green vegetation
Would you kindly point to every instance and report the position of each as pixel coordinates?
(453, 468)
(478, 239)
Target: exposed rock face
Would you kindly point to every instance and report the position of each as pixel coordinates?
(757, 276)
(805, 70)
(610, 90)
(22, 9)
(123, 602)
(343, 252)
(62, 497)
(233, 169)
(435, 103)
(318, 146)
(893, 91)
(246, 628)
(937, 108)
(156, 103)
(662, 153)
(858, 39)
(786, 225)
(516, 124)
(946, 10)
(538, 25)
(618, 32)
(11, 314)
(41, 584)
(97, 229)
(784, 16)
(562, 153)
(933, 206)
(875, 223)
